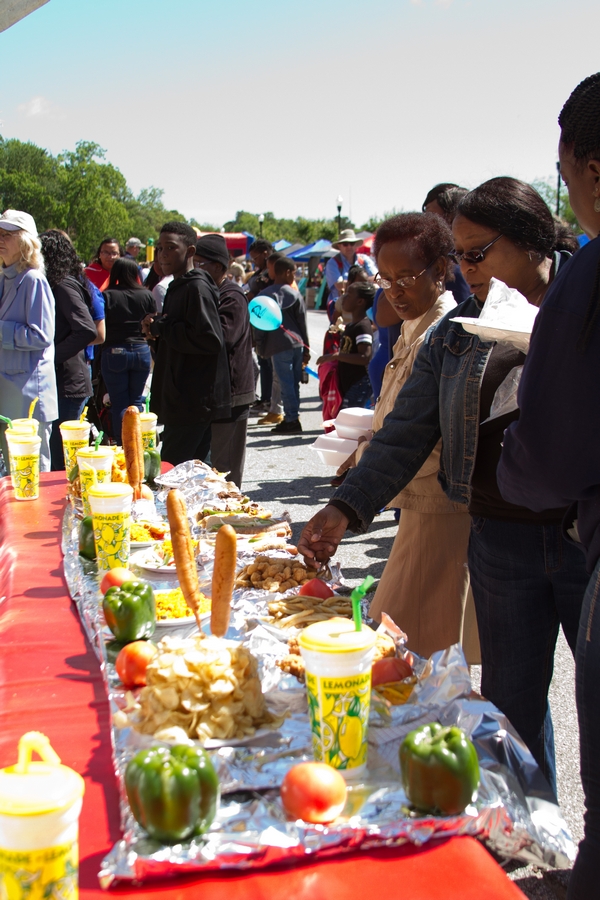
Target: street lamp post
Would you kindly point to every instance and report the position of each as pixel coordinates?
(339, 202)
(558, 190)
(261, 219)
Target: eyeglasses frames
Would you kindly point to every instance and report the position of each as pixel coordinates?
(407, 282)
(475, 256)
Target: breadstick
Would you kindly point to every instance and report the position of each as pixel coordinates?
(183, 550)
(133, 449)
(222, 580)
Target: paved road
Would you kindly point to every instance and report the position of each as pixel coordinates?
(284, 473)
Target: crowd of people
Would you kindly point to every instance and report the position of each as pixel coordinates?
(498, 543)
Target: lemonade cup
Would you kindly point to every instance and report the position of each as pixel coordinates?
(24, 452)
(18, 426)
(40, 803)
(338, 685)
(75, 436)
(95, 467)
(148, 422)
(111, 514)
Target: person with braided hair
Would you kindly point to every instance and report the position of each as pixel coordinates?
(551, 455)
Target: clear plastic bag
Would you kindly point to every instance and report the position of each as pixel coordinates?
(505, 398)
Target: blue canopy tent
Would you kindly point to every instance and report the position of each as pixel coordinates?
(281, 245)
(315, 250)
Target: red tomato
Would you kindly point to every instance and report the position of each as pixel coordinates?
(116, 577)
(390, 669)
(132, 662)
(314, 792)
(316, 587)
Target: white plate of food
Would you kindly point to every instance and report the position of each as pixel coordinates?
(145, 533)
(172, 601)
(157, 558)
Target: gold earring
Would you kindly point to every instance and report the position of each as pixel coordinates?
(597, 205)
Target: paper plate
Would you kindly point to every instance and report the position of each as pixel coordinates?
(491, 332)
(144, 559)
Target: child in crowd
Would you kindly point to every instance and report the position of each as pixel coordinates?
(287, 346)
(355, 346)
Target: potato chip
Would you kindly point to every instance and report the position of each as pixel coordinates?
(203, 687)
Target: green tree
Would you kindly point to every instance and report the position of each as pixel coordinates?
(547, 189)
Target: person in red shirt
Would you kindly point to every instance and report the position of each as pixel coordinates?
(98, 271)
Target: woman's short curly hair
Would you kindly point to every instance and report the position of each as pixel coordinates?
(429, 234)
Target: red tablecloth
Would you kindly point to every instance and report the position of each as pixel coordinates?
(50, 682)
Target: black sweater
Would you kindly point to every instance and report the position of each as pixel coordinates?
(191, 375)
(74, 330)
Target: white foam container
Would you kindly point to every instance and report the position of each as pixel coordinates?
(354, 423)
(332, 449)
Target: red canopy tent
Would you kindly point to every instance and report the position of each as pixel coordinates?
(237, 242)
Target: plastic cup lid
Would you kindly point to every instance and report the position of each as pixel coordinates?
(74, 425)
(110, 489)
(24, 437)
(90, 453)
(148, 417)
(33, 788)
(336, 635)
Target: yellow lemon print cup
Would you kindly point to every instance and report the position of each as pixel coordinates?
(19, 426)
(24, 452)
(148, 422)
(75, 436)
(40, 803)
(338, 686)
(95, 467)
(111, 515)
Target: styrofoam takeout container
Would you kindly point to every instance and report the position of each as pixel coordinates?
(333, 450)
(354, 423)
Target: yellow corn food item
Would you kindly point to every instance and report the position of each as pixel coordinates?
(172, 605)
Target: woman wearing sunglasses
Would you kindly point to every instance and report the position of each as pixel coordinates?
(526, 579)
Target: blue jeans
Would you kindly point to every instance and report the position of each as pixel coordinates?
(527, 581)
(68, 408)
(288, 365)
(584, 877)
(125, 368)
(359, 394)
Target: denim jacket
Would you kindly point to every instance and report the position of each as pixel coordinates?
(439, 399)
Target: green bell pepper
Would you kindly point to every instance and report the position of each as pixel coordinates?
(87, 545)
(173, 792)
(130, 611)
(152, 463)
(440, 770)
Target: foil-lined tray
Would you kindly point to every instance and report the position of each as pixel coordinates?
(514, 811)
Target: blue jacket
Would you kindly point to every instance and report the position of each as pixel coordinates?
(27, 339)
(440, 399)
(551, 455)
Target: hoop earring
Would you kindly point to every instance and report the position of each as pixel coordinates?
(597, 205)
(440, 285)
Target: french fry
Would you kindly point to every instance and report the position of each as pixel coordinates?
(223, 579)
(183, 551)
(133, 449)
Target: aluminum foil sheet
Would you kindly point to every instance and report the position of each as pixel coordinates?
(514, 812)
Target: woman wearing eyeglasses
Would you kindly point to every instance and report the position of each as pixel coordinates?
(425, 582)
(526, 579)
(98, 272)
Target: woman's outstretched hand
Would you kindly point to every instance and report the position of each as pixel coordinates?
(322, 534)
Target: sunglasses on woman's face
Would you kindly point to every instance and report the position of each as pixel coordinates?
(475, 256)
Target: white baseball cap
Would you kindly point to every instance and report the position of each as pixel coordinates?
(15, 220)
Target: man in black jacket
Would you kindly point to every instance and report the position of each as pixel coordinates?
(228, 444)
(190, 384)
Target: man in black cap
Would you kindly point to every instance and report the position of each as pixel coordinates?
(190, 383)
(228, 443)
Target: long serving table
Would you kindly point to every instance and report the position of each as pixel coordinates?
(50, 682)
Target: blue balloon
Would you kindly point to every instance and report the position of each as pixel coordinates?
(265, 313)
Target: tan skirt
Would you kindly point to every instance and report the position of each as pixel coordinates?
(425, 584)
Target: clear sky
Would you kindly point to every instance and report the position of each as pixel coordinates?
(280, 106)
